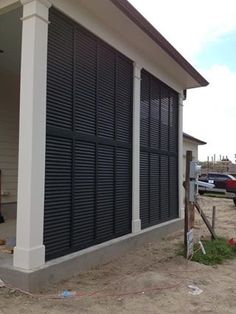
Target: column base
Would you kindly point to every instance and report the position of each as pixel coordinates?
(136, 226)
(29, 259)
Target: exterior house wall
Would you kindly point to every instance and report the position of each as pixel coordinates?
(106, 21)
(111, 28)
(9, 116)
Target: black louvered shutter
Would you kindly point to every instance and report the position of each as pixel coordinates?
(59, 149)
(89, 140)
(158, 152)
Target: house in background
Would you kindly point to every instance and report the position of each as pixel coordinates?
(189, 143)
(98, 93)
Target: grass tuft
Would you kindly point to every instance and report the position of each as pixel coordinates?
(216, 252)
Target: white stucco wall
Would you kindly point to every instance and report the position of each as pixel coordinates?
(9, 116)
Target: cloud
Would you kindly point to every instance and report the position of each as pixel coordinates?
(210, 113)
(190, 25)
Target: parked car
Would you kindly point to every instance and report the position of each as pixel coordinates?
(231, 188)
(218, 179)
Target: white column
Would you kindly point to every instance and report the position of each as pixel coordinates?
(181, 178)
(136, 222)
(29, 252)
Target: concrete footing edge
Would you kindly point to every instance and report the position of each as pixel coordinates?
(72, 264)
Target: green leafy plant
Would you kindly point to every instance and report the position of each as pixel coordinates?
(216, 252)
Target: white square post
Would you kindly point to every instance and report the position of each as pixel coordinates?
(29, 252)
(136, 222)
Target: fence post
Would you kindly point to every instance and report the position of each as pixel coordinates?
(186, 202)
(213, 219)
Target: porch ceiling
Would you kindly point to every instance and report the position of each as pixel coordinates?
(10, 41)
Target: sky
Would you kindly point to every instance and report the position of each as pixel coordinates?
(204, 32)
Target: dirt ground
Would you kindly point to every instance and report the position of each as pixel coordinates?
(152, 279)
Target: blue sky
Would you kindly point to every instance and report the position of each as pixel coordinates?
(207, 39)
(221, 51)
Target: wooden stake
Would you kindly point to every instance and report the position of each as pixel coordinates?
(209, 227)
(191, 215)
(213, 219)
(186, 202)
(1, 217)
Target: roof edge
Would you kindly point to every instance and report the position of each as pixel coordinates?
(190, 137)
(133, 14)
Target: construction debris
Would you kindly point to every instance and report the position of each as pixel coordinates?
(195, 290)
(2, 241)
(2, 284)
(4, 248)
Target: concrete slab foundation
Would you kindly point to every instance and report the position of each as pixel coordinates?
(72, 264)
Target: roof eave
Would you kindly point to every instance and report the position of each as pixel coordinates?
(147, 27)
(193, 139)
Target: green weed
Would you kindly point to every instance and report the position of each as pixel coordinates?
(216, 252)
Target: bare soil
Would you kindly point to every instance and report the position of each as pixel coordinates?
(152, 279)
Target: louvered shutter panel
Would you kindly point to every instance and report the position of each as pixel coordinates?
(124, 84)
(173, 138)
(123, 148)
(58, 176)
(173, 185)
(159, 152)
(164, 184)
(86, 80)
(84, 195)
(89, 140)
(123, 191)
(173, 161)
(145, 111)
(155, 176)
(105, 193)
(164, 118)
(144, 189)
(106, 92)
(155, 114)
(57, 212)
(60, 73)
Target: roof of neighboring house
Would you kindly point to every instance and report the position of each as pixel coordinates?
(194, 139)
(147, 27)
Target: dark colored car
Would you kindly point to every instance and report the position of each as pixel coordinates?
(218, 179)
